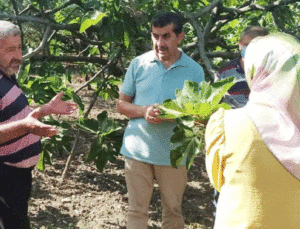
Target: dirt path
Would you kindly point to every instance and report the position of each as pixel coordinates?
(92, 200)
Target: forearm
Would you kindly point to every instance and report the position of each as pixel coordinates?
(41, 111)
(131, 110)
(12, 130)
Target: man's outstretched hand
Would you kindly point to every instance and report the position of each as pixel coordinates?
(34, 126)
(58, 106)
(55, 106)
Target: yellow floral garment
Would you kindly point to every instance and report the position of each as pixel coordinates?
(256, 191)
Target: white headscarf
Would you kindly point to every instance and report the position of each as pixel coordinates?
(272, 68)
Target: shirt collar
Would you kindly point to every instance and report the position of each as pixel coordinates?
(179, 63)
(12, 78)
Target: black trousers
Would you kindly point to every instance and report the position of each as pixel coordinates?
(15, 188)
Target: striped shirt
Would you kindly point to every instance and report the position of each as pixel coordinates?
(23, 151)
(238, 93)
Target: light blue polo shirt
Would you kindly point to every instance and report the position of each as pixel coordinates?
(148, 82)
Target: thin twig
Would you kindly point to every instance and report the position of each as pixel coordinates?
(69, 160)
(65, 5)
(96, 75)
(81, 52)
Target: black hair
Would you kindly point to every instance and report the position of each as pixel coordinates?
(166, 18)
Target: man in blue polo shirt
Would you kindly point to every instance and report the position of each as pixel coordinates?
(151, 78)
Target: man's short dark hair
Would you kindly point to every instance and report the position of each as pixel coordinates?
(166, 18)
(254, 31)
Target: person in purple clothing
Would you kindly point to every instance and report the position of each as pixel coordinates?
(238, 94)
(20, 132)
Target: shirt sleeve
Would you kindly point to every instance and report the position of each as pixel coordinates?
(227, 98)
(215, 145)
(128, 87)
(201, 74)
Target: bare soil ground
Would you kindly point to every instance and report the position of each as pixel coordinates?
(93, 200)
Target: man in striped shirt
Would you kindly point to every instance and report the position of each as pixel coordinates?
(20, 132)
(239, 93)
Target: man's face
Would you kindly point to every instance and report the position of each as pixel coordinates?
(10, 54)
(245, 42)
(165, 42)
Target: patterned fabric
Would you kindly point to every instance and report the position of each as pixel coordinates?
(272, 69)
(23, 151)
(238, 93)
(256, 191)
(148, 82)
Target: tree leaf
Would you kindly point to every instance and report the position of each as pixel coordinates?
(222, 105)
(204, 92)
(203, 109)
(192, 149)
(170, 109)
(126, 39)
(187, 121)
(99, 17)
(23, 75)
(233, 23)
(77, 100)
(101, 161)
(190, 89)
(47, 157)
(103, 124)
(219, 89)
(86, 24)
(95, 150)
(189, 108)
(41, 165)
(181, 134)
(231, 2)
(91, 21)
(176, 157)
(89, 125)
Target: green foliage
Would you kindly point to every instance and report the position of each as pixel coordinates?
(191, 109)
(110, 87)
(59, 143)
(41, 90)
(199, 100)
(231, 2)
(92, 21)
(107, 139)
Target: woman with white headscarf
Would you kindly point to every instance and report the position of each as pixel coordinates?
(253, 153)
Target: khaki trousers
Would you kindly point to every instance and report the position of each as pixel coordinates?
(140, 179)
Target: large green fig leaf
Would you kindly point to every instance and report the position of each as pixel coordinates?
(191, 109)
